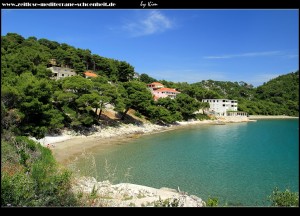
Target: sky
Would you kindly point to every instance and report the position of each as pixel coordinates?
(250, 45)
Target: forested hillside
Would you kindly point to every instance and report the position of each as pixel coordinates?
(279, 96)
(34, 104)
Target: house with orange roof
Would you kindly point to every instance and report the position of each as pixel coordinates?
(155, 85)
(90, 74)
(165, 92)
(158, 90)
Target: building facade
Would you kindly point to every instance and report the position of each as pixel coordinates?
(59, 72)
(158, 90)
(165, 92)
(221, 107)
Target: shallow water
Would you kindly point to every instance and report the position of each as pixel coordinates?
(239, 163)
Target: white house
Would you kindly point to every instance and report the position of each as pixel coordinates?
(60, 72)
(222, 107)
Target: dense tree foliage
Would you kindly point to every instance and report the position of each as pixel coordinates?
(146, 78)
(20, 55)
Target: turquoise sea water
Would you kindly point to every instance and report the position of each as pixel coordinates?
(239, 163)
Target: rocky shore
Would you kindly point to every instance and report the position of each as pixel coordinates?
(131, 195)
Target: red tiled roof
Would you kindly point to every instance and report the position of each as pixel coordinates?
(167, 90)
(90, 74)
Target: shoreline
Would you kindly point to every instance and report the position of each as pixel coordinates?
(272, 117)
(67, 146)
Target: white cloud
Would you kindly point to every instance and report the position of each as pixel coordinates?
(253, 54)
(154, 22)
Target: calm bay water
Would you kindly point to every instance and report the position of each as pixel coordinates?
(238, 163)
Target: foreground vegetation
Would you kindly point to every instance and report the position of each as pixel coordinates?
(30, 176)
(285, 198)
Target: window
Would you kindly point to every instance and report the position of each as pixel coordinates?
(223, 100)
(223, 105)
(62, 75)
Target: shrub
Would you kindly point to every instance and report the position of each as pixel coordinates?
(202, 117)
(212, 202)
(16, 190)
(284, 198)
(35, 179)
(138, 114)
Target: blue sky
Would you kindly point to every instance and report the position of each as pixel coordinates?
(253, 46)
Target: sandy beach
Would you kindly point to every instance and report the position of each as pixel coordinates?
(69, 145)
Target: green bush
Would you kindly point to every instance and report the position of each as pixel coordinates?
(284, 198)
(212, 202)
(17, 190)
(138, 114)
(28, 142)
(39, 182)
(201, 117)
(8, 153)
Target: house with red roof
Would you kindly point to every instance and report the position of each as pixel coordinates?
(158, 90)
(165, 92)
(155, 86)
(90, 74)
